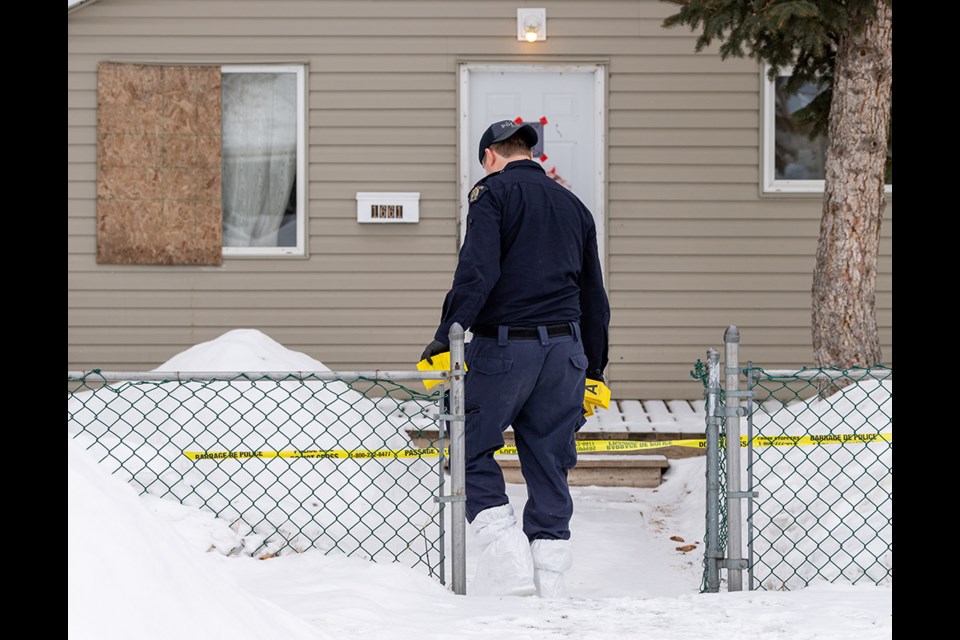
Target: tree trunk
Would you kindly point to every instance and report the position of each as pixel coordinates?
(844, 323)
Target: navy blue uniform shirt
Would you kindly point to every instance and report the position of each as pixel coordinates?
(529, 257)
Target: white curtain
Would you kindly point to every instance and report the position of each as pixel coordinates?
(259, 155)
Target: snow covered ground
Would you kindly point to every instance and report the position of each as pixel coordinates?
(149, 568)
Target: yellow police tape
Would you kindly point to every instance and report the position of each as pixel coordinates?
(583, 446)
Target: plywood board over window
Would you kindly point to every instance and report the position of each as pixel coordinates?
(158, 164)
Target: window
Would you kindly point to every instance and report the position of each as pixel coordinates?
(792, 162)
(263, 160)
(198, 162)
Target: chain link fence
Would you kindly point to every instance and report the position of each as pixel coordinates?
(715, 512)
(817, 481)
(821, 464)
(292, 461)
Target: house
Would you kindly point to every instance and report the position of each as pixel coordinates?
(302, 167)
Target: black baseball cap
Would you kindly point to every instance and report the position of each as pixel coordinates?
(500, 131)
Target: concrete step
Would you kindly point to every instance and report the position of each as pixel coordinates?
(672, 452)
(636, 420)
(627, 469)
(601, 470)
(427, 437)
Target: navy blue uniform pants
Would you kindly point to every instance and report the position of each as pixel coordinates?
(536, 385)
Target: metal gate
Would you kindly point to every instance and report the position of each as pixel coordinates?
(807, 483)
(292, 460)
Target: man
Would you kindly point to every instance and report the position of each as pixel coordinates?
(528, 285)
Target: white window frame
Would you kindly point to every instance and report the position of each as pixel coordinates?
(768, 136)
(299, 250)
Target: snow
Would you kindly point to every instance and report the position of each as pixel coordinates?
(151, 568)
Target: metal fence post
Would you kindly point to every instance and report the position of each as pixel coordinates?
(457, 460)
(713, 553)
(751, 382)
(731, 368)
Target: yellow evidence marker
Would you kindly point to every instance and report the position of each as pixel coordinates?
(595, 394)
(441, 362)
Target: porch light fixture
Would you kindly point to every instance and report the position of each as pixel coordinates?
(531, 24)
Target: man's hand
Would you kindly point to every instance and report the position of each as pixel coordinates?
(595, 374)
(433, 349)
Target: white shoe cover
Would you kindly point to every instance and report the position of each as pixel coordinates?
(505, 567)
(551, 558)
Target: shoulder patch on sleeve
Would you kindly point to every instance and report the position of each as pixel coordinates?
(477, 192)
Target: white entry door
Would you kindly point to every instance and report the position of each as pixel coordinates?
(564, 102)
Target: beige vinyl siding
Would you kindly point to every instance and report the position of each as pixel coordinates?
(692, 246)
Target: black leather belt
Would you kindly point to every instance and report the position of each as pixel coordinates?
(515, 333)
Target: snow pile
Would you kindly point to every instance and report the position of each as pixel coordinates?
(825, 511)
(154, 433)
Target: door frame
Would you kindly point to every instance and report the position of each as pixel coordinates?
(467, 155)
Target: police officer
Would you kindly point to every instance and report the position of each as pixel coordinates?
(529, 287)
